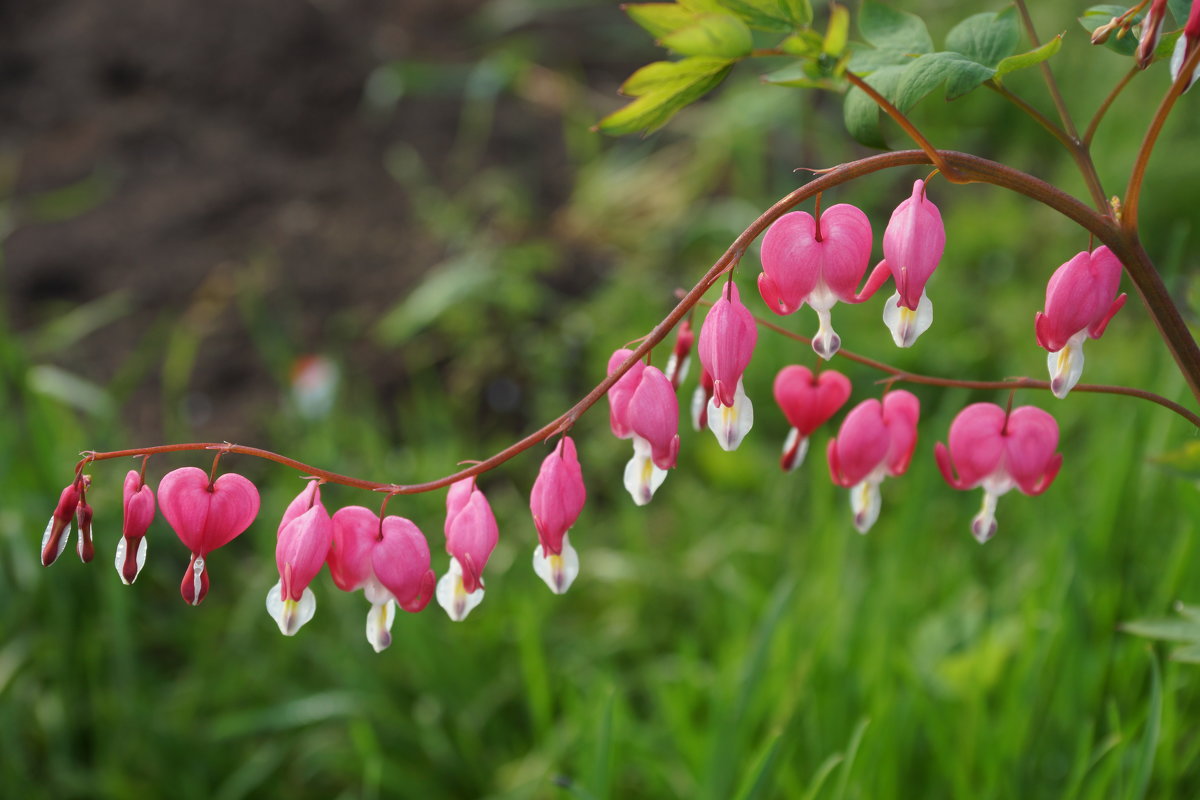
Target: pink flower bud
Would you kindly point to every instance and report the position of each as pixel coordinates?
(999, 452)
(912, 247)
(301, 549)
(876, 440)
(1151, 32)
(727, 340)
(804, 263)
(471, 535)
(84, 545)
(388, 559)
(58, 529)
(621, 393)
(139, 513)
(1186, 45)
(654, 419)
(205, 516)
(1079, 304)
(556, 501)
(808, 401)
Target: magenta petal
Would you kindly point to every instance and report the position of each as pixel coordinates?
(401, 562)
(205, 517)
(654, 416)
(1031, 439)
(791, 259)
(355, 531)
(901, 410)
(1080, 295)
(621, 392)
(976, 444)
(471, 535)
(809, 401)
(913, 244)
(861, 444)
(558, 495)
(845, 249)
(727, 340)
(138, 506)
(308, 497)
(302, 548)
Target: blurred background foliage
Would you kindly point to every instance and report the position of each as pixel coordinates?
(200, 203)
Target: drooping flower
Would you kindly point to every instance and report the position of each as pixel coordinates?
(388, 559)
(876, 440)
(999, 451)
(727, 340)
(818, 262)
(681, 355)
(471, 535)
(1151, 31)
(1185, 45)
(621, 392)
(652, 417)
(205, 515)
(912, 247)
(700, 398)
(1079, 304)
(808, 401)
(139, 513)
(556, 501)
(58, 529)
(302, 545)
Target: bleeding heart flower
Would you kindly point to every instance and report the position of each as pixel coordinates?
(139, 513)
(652, 418)
(876, 440)
(301, 548)
(58, 529)
(819, 262)
(808, 401)
(727, 340)
(912, 247)
(999, 451)
(205, 515)
(388, 559)
(556, 501)
(621, 392)
(1079, 304)
(471, 535)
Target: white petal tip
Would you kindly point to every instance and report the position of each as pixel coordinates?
(865, 502)
(453, 597)
(907, 324)
(642, 477)
(128, 568)
(795, 448)
(560, 571)
(730, 424)
(379, 624)
(290, 615)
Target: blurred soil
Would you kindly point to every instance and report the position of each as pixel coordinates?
(226, 133)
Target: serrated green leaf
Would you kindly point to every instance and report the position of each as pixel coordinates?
(865, 60)
(1171, 629)
(660, 19)
(883, 26)
(959, 73)
(805, 43)
(1029, 58)
(803, 74)
(861, 114)
(664, 88)
(772, 15)
(714, 35)
(1183, 461)
(837, 34)
(1096, 16)
(986, 38)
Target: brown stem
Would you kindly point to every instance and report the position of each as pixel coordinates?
(971, 168)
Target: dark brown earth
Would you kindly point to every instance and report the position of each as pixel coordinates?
(227, 133)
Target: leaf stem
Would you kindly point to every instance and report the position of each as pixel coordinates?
(1051, 84)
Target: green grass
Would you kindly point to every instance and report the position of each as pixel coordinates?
(735, 638)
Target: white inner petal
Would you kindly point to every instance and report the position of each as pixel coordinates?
(453, 596)
(983, 526)
(795, 448)
(290, 615)
(730, 424)
(865, 502)
(379, 624)
(1066, 365)
(642, 477)
(905, 323)
(559, 571)
(140, 557)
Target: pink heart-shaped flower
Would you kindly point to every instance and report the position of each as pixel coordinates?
(807, 400)
(206, 516)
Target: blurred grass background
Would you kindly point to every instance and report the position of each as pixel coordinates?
(735, 638)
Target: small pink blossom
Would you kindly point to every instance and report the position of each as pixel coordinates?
(999, 451)
(388, 559)
(653, 419)
(876, 440)
(621, 392)
(139, 513)
(301, 548)
(205, 516)
(1081, 299)
(816, 262)
(58, 529)
(913, 243)
(471, 535)
(808, 401)
(727, 340)
(556, 501)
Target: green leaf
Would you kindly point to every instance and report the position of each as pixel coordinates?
(986, 38)
(865, 60)
(1096, 16)
(804, 74)
(860, 113)
(1028, 59)
(838, 32)
(926, 73)
(718, 35)
(660, 19)
(1187, 655)
(1171, 629)
(883, 26)
(704, 6)
(806, 43)
(662, 89)
(772, 15)
(1144, 761)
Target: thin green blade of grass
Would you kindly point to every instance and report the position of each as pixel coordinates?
(1145, 759)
